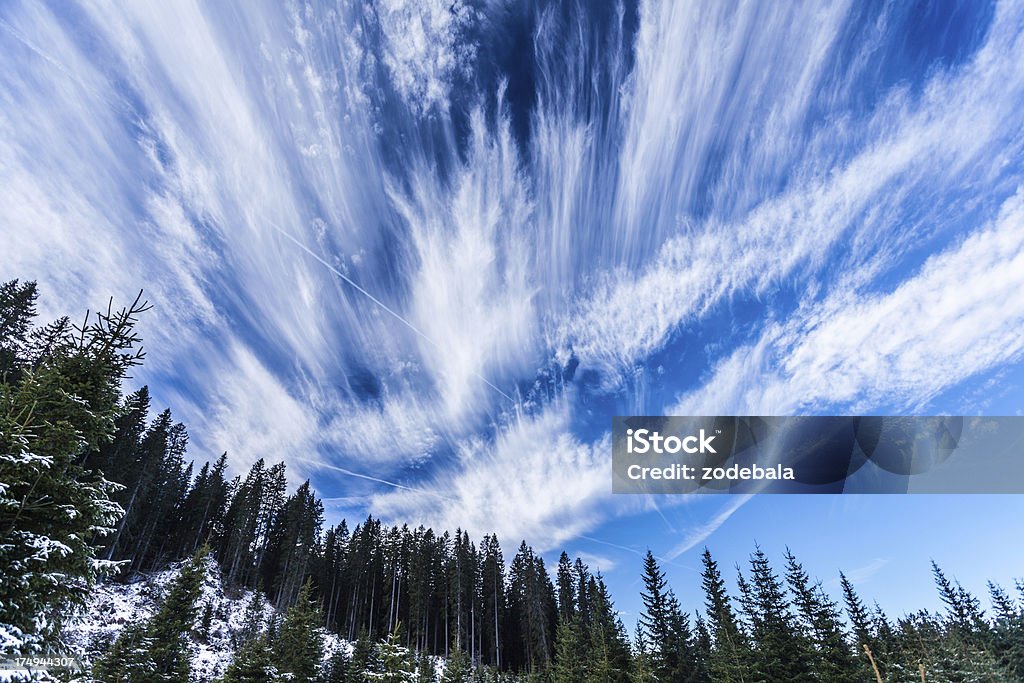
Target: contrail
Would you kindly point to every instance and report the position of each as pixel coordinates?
(380, 303)
(385, 482)
(58, 65)
(367, 477)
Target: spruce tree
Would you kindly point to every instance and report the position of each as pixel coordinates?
(425, 670)
(397, 665)
(252, 620)
(253, 663)
(566, 584)
(1008, 631)
(292, 545)
(532, 610)
(339, 668)
(364, 657)
(457, 668)
(298, 647)
(666, 628)
(819, 620)
(59, 393)
(492, 593)
(702, 645)
(641, 669)
(730, 651)
(780, 653)
(654, 621)
(609, 655)
(571, 657)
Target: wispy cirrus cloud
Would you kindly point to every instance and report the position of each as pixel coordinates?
(863, 574)
(956, 318)
(536, 481)
(957, 134)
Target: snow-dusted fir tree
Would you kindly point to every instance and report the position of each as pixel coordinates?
(59, 390)
(253, 663)
(339, 669)
(396, 661)
(298, 647)
(457, 669)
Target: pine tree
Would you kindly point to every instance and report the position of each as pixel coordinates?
(609, 656)
(292, 545)
(654, 619)
(680, 655)
(425, 670)
(779, 651)
(566, 583)
(365, 658)
(252, 620)
(299, 644)
(571, 658)
(254, 663)
(964, 614)
(730, 652)
(153, 518)
(339, 668)
(396, 660)
(819, 619)
(204, 506)
(1008, 631)
(458, 668)
(641, 670)
(944, 653)
(158, 651)
(492, 594)
(702, 644)
(532, 610)
(666, 628)
(59, 392)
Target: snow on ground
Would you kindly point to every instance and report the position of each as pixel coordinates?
(114, 606)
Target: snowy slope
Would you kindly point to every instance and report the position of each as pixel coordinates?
(113, 606)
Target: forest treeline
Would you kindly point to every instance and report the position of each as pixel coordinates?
(94, 488)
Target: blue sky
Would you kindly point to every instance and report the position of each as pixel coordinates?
(423, 251)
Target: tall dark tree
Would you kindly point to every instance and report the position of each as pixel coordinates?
(780, 652)
(292, 545)
(492, 599)
(730, 651)
(204, 507)
(532, 611)
(820, 624)
(565, 581)
(608, 644)
(666, 627)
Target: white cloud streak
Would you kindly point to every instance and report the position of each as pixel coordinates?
(536, 482)
(959, 316)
